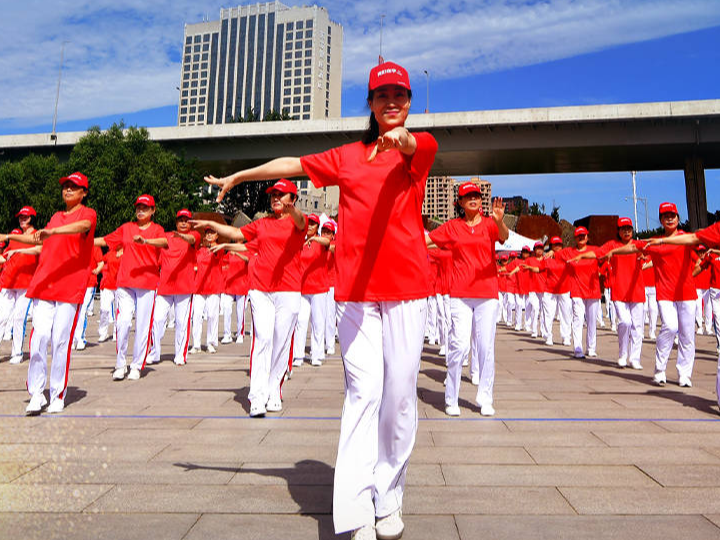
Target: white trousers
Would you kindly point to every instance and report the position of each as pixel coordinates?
(678, 318)
(703, 311)
(209, 304)
(381, 345)
(630, 329)
(107, 310)
(533, 312)
(509, 308)
(274, 317)
(465, 312)
(584, 309)
(651, 309)
(141, 302)
(445, 319)
(553, 304)
(330, 320)
(226, 304)
(14, 306)
(312, 313)
(432, 331)
(181, 304)
(54, 324)
(83, 317)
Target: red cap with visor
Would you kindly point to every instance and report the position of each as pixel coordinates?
(388, 73)
(77, 178)
(538, 244)
(26, 211)
(330, 226)
(283, 186)
(184, 213)
(314, 218)
(624, 222)
(147, 200)
(468, 187)
(668, 208)
(556, 240)
(580, 230)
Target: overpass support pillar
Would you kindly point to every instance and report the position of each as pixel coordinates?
(695, 192)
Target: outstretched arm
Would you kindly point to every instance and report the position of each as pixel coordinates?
(277, 168)
(690, 239)
(226, 230)
(498, 213)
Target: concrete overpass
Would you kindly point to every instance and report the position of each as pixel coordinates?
(602, 138)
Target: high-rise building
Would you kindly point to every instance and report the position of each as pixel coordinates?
(312, 200)
(440, 197)
(264, 57)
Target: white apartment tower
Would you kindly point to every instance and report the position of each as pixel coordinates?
(265, 57)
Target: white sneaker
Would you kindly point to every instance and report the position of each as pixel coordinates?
(274, 405)
(257, 410)
(366, 532)
(443, 351)
(578, 354)
(549, 342)
(390, 527)
(685, 381)
(134, 374)
(102, 338)
(37, 402)
(330, 351)
(316, 362)
(487, 410)
(179, 362)
(239, 339)
(16, 359)
(566, 342)
(653, 336)
(431, 342)
(226, 340)
(211, 348)
(80, 346)
(533, 335)
(659, 378)
(613, 328)
(119, 374)
(636, 365)
(171, 326)
(452, 410)
(592, 354)
(150, 362)
(56, 406)
(699, 332)
(298, 362)
(445, 381)
(622, 362)
(476, 379)
(194, 350)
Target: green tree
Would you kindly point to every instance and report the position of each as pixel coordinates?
(555, 214)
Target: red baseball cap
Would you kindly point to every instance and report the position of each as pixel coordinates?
(147, 200)
(330, 225)
(538, 244)
(315, 218)
(77, 178)
(702, 247)
(26, 211)
(525, 248)
(468, 187)
(283, 186)
(504, 257)
(556, 240)
(624, 222)
(580, 230)
(184, 213)
(667, 208)
(388, 73)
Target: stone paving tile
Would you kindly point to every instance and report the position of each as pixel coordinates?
(61, 526)
(481, 440)
(231, 454)
(660, 439)
(460, 425)
(49, 498)
(485, 500)
(11, 471)
(563, 426)
(137, 451)
(621, 456)
(469, 455)
(668, 501)
(241, 499)
(239, 438)
(248, 527)
(544, 475)
(586, 527)
(684, 475)
(709, 426)
(714, 518)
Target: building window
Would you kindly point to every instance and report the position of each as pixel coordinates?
(308, 61)
(206, 37)
(188, 39)
(296, 90)
(205, 57)
(289, 46)
(298, 72)
(308, 71)
(307, 90)
(306, 108)
(290, 26)
(203, 74)
(296, 81)
(196, 67)
(203, 91)
(201, 117)
(192, 109)
(196, 48)
(288, 64)
(308, 43)
(298, 54)
(308, 52)
(204, 65)
(286, 101)
(286, 92)
(298, 35)
(307, 80)
(288, 56)
(288, 73)
(206, 47)
(329, 30)
(309, 23)
(298, 63)
(187, 58)
(296, 109)
(185, 85)
(193, 101)
(193, 92)
(299, 25)
(191, 119)
(328, 40)
(306, 99)
(197, 38)
(296, 99)
(183, 119)
(183, 110)
(184, 93)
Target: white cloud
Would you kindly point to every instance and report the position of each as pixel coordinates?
(123, 55)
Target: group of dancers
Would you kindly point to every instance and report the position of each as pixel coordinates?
(382, 282)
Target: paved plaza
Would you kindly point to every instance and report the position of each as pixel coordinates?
(579, 449)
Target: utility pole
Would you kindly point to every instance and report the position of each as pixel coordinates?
(380, 58)
(53, 135)
(427, 93)
(635, 198)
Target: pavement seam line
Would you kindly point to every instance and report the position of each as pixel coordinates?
(193, 526)
(710, 521)
(559, 490)
(638, 467)
(96, 499)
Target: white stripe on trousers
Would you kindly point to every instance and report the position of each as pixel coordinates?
(473, 322)
(53, 324)
(14, 306)
(381, 345)
(585, 310)
(630, 329)
(181, 304)
(312, 312)
(142, 303)
(274, 316)
(678, 318)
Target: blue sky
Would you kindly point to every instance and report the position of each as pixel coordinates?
(122, 63)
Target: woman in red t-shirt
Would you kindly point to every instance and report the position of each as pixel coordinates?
(57, 288)
(382, 290)
(14, 281)
(535, 268)
(557, 298)
(96, 266)
(521, 275)
(473, 293)
(108, 285)
(328, 230)
(703, 310)
(313, 302)
(209, 284)
(651, 305)
(137, 280)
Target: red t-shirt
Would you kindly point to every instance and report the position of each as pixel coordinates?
(209, 278)
(648, 275)
(177, 265)
(584, 276)
(512, 281)
(313, 259)
(673, 271)
(97, 257)
(140, 263)
(557, 276)
(279, 241)
(502, 277)
(381, 253)
(18, 271)
(443, 261)
(702, 280)
(237, 280)
(712, 262)
(522, 276)
(474, 271)
(626, 273)
(710, 236)
(331, 266)
(110, 270)
(537, 281)
(61, 275)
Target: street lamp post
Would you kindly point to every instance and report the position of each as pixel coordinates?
(427, 93)
(53, 135)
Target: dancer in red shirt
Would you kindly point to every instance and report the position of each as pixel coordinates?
(96, 266)
(535, 268)
(57, 288)
(209, 284)
(108, 285)
(703, 309)
(137, 280)
(557, 297)
(381, 291)
(522, 289)
(329, 229)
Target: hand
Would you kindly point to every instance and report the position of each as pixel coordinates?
(42, 235)
(139, 239)
(226, 184)
(653, 242)
(396, 138)
(498, 209)
(3, 238)
(216, 248)
(8, 254)
(200, 223)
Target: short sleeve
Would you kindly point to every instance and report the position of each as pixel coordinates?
(115, 238)
(493, 230)
(424, 156)
(441, 236)
(250, 231)
(323, 169)
(710, 236)
(196, 236)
